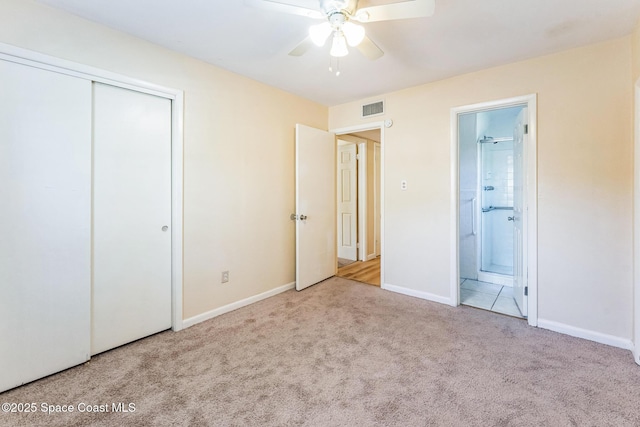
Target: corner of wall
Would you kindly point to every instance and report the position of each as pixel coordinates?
(635, 53)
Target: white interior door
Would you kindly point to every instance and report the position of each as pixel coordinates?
(132, 216)
(347, 202)
(315, 206)
(519, 213)
(45, 222)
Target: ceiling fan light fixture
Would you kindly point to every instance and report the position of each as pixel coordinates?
(320, 33)
(354, 33)
(339, 46)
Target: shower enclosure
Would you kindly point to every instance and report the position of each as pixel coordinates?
(496, 201)
(486, 223)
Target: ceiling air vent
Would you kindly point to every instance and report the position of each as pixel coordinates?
(373, 109)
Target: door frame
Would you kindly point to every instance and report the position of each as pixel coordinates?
(361, 191)
(636, 226)
(362, 200)
(364, 127)
(376, 197)
(38, 60)
(339, 143)
(530, 197)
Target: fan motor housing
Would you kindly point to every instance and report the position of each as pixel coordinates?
(330, 7)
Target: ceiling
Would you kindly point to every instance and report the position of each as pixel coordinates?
(462, 36)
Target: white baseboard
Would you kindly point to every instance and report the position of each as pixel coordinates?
(418, 294)
(235, 305)
(586, 334)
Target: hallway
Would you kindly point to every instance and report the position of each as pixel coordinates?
(366, 272)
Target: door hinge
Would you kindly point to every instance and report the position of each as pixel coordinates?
(357, 156)
(526, 291)
(357, 245)
(526, 129)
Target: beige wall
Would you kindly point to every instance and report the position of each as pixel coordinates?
(238, 151)
(635, 46)
(584, 180)
(635, 76)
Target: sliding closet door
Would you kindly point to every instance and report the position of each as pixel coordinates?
(132, 216)
(45, 222)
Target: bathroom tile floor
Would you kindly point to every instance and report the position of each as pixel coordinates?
(488, 296)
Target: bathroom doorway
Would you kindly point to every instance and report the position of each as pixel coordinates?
(493, 222)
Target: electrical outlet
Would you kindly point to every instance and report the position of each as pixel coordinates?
(225, 277)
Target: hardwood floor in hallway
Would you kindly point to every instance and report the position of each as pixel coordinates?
(366, 272)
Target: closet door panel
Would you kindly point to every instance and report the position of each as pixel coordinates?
(45, 222)
(132, 216)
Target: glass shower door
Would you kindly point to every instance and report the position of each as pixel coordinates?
(497, 206)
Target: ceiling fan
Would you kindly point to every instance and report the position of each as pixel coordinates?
(338, 16)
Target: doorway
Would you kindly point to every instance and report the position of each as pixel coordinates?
(493, 153)
(359, 206)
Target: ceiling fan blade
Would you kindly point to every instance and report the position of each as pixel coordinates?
(276, 6)
(401, 10)
(369, 49)
(302, 47)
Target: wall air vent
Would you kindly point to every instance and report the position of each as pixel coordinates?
(373, 109)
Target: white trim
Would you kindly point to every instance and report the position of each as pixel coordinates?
(376, 196)
(75, 69)
(454, 208)
(586, 334)
(530, 199)
(236, 305)
(418, 294)
(50, 63)
(362, 199)
(177, 201)
(636, 226)
(371, 126)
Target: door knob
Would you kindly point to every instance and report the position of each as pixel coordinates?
(293, 217)
(303, 217)
(165, 228)
(510, 218)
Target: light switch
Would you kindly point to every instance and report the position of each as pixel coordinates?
(403, 184)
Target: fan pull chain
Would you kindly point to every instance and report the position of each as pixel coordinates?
(337, 65)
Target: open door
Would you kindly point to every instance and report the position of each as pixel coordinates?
(520, 288)
(347, 202)
(315, 206)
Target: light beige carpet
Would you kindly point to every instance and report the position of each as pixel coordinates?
(346, 354)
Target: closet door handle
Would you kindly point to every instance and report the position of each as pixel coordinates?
(473, 216)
